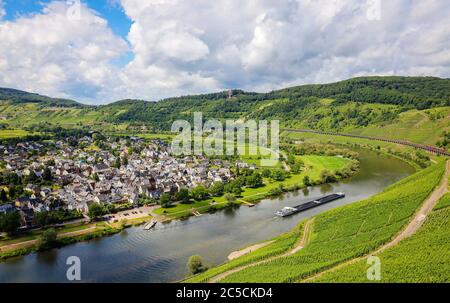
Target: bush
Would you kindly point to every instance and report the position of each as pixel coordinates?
(195, 265)
(9, 222)
(47, 240)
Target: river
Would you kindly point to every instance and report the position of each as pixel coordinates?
(160, 255)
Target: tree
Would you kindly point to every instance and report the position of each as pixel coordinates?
(3, 196)
(306, 181)
(199, 193)
(183, 195)
(43, 218)
(327, 176)
(47, 174)
(12, 191)
(48, 239)
(291, 159)
(254, 181)
(31, 178)
(296, 168)
(278, 175)
(165, 201)
(118, 163)
(236, 190)
(266, 173)
(230, 198)
(96, 211)
(9, 222)
(217, 189)
(195, 265)
(95, 177)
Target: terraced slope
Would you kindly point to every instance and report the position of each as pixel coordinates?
(348, 232)
(422, 258)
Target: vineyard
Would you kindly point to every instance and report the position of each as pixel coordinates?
(280, 245)
(444, 202)
(347, 232)
(422, 258)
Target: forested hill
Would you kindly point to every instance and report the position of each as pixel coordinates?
(15, 96)
(403, 93)
(341, 106)
(413, 92)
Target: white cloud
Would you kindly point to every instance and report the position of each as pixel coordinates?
(182, 47)
(53, 54)
(260, 45)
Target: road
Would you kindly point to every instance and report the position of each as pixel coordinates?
(303, 242)
(412, 227)
(431, 149)
(29, 243)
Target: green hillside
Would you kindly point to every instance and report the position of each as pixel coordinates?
(338, 235)
(422, 258)
(412, 108)
(20, 97)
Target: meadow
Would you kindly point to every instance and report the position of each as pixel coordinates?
(12, 133)
(349, 232)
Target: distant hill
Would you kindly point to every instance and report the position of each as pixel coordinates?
(301, 102)
(417, 108)
(17, 97)
(413, 92)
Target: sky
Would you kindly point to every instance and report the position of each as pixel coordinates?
(99, 51)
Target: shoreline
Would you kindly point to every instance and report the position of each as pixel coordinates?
(116, 228)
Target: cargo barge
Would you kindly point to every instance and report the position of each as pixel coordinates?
(289, 211)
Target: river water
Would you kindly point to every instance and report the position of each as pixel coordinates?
(160, 255)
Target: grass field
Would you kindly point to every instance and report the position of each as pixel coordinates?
(350, 231)
(280, 245)
(415, 126)
(422, 258)
(420, 126)
(16, 133)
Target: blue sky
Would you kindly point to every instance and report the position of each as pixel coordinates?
(154, 49)
(110, 10)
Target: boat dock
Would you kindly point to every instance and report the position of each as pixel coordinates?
(196, 213)
(247, 203)
(288, 211)
(150, 225)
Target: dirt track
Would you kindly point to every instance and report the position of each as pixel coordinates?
(298, 247)
(30, 243)
(413, 226)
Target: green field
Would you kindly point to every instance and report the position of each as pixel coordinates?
(348, 232)
(16, 133)
(415, 126)
(423, 258)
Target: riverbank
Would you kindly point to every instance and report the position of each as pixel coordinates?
(73, 233)
(314, 165)
(367, 222)
(160, 255)
(115, 223)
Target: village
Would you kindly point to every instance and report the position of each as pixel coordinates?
(115, 173)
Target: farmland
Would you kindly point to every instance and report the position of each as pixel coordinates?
(280, 245)
(422, 258)
(15, 133)
(349, 232)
